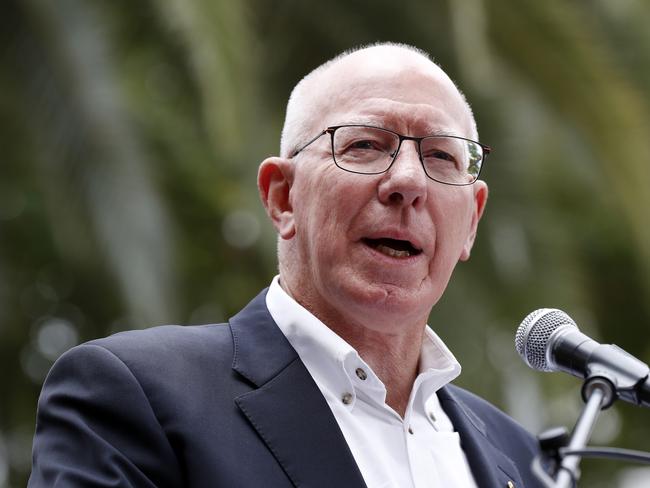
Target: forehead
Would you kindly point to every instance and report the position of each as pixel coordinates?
(397, 91)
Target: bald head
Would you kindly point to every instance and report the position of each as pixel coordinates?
(314, 100)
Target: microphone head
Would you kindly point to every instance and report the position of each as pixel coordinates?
(531, 340)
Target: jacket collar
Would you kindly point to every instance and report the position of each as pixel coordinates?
(286, 408)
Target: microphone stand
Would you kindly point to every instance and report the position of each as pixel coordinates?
(598, 394)
(562, 455)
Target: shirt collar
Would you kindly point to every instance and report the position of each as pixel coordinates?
(333, 363)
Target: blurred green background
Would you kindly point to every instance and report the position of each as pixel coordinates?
(131, 134)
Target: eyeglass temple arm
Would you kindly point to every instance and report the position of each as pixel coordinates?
(295, 153)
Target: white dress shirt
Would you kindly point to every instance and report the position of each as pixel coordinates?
(421, 450)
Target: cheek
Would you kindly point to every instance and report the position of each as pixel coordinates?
(452, 220)
(316, 214)
(328, 200)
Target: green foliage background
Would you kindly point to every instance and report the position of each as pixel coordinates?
(131, 133)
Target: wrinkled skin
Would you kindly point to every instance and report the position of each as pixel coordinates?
(322, 213)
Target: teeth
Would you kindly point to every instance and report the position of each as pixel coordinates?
(389, 251)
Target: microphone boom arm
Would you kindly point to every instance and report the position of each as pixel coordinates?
(598, 394)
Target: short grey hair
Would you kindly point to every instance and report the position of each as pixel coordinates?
(301, 105)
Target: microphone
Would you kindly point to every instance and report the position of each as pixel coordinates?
(549, 340)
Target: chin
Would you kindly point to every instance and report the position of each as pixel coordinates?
(387, 302)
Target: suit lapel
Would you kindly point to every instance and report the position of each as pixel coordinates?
(292, 418)
(490, 466)
(287, 409)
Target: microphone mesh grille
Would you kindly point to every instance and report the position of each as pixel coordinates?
(531, 340)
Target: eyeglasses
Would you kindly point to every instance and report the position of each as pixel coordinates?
(369, 150)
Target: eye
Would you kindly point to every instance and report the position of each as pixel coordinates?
(365, 144)
(439, 150)
(362, 145)
(439, 155)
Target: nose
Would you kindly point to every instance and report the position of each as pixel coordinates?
(405, 183)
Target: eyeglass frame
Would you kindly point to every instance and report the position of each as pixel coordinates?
(332, 129)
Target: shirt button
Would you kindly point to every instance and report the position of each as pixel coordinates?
(347, 398)
(361, 374)
(410, 431)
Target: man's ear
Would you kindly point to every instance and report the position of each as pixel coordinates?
(480, 198)
(274, 181)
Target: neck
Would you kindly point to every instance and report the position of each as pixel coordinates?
(391, 350)
(393, 358)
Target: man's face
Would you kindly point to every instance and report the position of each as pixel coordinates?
(351, 230)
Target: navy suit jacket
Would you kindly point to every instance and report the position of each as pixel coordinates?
(228, 406)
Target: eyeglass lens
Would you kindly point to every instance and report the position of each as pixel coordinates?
(372, 150)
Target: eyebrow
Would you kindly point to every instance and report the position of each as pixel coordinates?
(375, 122)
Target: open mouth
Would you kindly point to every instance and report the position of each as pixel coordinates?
(394, 248)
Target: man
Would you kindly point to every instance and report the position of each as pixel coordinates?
(331, 378)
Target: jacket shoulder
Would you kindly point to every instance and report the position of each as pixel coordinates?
(168, 340)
